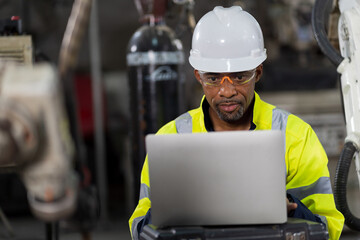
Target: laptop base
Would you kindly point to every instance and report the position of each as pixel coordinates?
(296, 229)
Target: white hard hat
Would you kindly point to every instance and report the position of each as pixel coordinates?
(227, 40)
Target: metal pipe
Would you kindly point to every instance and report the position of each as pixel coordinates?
(100, 157)
(73, 36)
(69, 51)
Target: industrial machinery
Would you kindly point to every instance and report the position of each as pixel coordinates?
(14, 45)
(36, 144)
(35, 140)
(348, 65)
(38, 137)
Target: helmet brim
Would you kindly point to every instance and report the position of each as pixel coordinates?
(226, 65)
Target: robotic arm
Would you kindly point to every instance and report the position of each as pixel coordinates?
(349, 37)
(348, 65)
(35, 137)
(35, 140)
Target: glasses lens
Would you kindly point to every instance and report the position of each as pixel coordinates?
(241, 78)
(211, 79)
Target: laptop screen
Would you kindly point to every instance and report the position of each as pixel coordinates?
(217, 178)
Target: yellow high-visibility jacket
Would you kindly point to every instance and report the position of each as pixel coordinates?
(306, 163)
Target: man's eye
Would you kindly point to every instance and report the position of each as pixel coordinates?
(239, 77)
(212, 79)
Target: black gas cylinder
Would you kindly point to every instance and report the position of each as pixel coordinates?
(154, 58)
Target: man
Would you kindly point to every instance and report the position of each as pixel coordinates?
(227, 55)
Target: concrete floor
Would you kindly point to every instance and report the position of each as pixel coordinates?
(28, 228)
(350, 235)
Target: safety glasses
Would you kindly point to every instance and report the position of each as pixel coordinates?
(216, 79)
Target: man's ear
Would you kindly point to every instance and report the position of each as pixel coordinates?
(259, 72)
(197, 75)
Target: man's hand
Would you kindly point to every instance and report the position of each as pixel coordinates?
(290, 205)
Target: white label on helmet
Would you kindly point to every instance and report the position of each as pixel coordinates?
(156, 58)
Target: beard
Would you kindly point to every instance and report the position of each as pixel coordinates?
(230, 117)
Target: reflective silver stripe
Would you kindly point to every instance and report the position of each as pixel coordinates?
(144, 191)
(324, 220)
(183, 123)
(321, 186)
(279, 119)
(279, 122)
(134, 230)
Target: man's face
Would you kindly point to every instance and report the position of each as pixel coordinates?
(229, 94)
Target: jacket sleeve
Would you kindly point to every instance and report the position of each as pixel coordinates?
(141, 215)
(302, 211)
(308, 176)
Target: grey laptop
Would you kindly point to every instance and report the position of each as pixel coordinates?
(217, 178)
